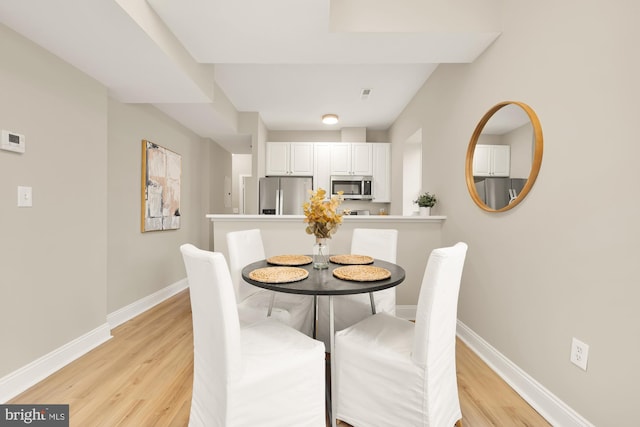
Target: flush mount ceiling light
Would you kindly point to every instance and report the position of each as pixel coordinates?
(330, 119)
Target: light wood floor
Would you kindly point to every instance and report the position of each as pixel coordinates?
(142, 377)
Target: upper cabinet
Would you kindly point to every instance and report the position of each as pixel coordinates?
(354, 158)
(381, 172)
(323, 159)
(289, 158)
(491, 160)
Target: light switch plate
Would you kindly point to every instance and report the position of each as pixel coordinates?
(25, 197)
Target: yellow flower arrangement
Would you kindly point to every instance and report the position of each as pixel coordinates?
(322, 217)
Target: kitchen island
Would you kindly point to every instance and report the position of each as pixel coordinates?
(285, 234)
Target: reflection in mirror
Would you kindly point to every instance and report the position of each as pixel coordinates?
(504, 156)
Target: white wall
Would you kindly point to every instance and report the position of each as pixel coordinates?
(323, 136)
(561, 264)
(252, 124)
(78, 254)
(143, 263)
(522, 143)
(411, 151)
(53, 256)
(305, 136)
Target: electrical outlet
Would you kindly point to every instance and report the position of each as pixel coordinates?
(579, 353)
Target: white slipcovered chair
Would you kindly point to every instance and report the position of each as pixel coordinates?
(297, 311)
(263, 374)
(349, 309)
(393, 372)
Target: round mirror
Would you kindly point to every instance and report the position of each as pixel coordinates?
(504, 156)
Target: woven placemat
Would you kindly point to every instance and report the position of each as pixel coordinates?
(279, 274)
(361, 273)
(290, 260)
(351, 259)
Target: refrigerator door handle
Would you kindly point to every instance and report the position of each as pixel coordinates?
(279, 202)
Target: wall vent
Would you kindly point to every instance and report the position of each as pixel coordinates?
(364, 94)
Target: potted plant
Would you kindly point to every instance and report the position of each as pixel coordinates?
(425, 202)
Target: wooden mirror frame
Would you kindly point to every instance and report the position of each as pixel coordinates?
(535, 165)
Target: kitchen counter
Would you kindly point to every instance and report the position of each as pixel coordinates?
(346, 218)
(285, 234)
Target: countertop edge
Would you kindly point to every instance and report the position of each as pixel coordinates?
(346, 218)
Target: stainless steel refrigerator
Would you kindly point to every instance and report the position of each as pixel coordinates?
(283, 195)
(497, 192)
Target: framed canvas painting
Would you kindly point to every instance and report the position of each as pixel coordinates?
(161, 170)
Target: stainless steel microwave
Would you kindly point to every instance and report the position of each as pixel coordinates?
(353, 187)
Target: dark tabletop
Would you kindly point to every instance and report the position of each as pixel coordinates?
(322, 282)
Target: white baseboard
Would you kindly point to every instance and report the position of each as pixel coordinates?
(554, 410)
(18, 381)
(132, 310)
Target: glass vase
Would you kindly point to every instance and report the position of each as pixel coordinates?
(320, 254)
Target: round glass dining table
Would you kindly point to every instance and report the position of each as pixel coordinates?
(323, 282)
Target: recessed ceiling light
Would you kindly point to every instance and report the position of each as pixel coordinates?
(330, 119)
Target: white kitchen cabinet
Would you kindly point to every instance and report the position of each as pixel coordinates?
(340, 161)
(322, 166)
(381, 172)
(355, 158)
(289, 158)
(491, 160)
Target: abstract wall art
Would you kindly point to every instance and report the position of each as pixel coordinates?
(161, 169)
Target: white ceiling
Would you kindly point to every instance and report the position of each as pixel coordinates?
(206, 62)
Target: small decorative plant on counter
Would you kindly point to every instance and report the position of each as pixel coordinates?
(322, 220)
(425, 202)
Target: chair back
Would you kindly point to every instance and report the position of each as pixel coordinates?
(216, 334)
(434, 341)
(375, 242)
(245, 247)
(435, 329)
